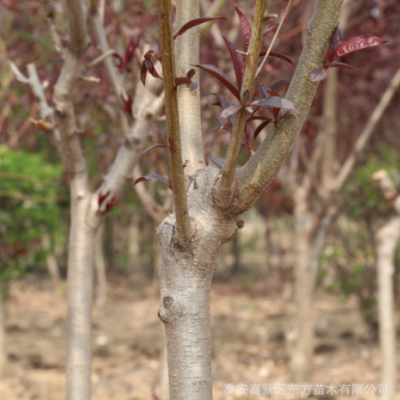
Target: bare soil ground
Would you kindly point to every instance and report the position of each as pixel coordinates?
(251, 329)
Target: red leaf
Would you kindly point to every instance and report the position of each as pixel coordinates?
(183, 81)
(318, 74)
(246, 29)
(143, 72)
(194, 22)
(355, 43)
(338, 64)
(275, 102)
(268, 28)
(336, 40)
(110, 205)
(282, 56)
(278, 55)
(119, 59)
(247, 133)
(152, 147)
(102, 197)
(214, 71)
(280, 85)
(223, 101)
(127, 105)
(260, 128)
(151, 69)
(237, 60)
(151, 177)
(231, 110)
(191, 73)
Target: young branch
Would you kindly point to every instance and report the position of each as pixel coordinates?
(114, 78)
(149, 105)
(388, 189)
(366, 133)
(187, 49)
(262, 168)
(227, 181)
(273, 39)
(183, 227)
(46, 112)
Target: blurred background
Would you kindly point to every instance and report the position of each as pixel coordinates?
(253, 306)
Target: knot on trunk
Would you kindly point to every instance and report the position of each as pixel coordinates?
(171, 309)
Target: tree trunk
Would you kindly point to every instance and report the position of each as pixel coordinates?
(100, 270)
(80, 296)
(302, 355)
(387, 241)
(3, 351)
(51, 262)
(185, 283)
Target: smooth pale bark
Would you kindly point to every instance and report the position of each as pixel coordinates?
(100, 265)
(302, 354)
(80, 294)
(3, 349)
(185, 283)
(51, 262)
(387, 242)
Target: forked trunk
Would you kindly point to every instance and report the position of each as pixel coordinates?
(80, 297)
(387, 242)
(302, 355)
(185, 283)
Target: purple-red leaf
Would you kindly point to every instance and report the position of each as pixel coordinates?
(194, 22)
(127, 105)
(183, 81)
(246, 29)
(280, 85)
(268, 28)
(318, 74)
(223, 101)
(282, 57)
(261, 127)
(231, 110)
(102, 197)
(237, 60)
(216, 73)
(275, 102)
(151, 69)
(278, 55)
(335, 42)
(355, 43)
(152, 177)
(191, 73)
(152, 147)
(338, 64)
(143, 72)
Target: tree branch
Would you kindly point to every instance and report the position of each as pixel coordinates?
(186, 55)
(46, 112)
(264, 165)
(183, 227)
(114, 78)
(149, 105)
(366, 133)
(388, 189)
(227, 180)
